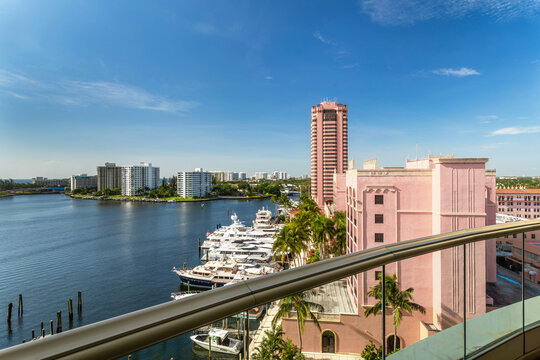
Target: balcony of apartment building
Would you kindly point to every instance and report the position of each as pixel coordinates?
(458, 322)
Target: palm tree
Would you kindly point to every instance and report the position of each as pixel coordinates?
(322, 229)
(274, 347)
(399, 301)
(298, 303)
(340, 233)
(290, 240)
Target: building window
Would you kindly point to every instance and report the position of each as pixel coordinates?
(379, 237)
(533, 236)
(514, 236)
(379, 218)
(328, 342)
(377, 275)
(379, 199)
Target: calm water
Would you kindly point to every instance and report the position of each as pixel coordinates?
(119, 254)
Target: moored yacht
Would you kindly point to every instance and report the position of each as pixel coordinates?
(218, 340)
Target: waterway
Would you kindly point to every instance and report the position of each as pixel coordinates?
(119, 254)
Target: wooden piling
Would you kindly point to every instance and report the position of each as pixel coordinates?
(199, 248)
(33, 334)
(58, 322)
(42, 330)
(20, 306)
(79, 302)
(51, 327)
(70, 309)
(10, 307)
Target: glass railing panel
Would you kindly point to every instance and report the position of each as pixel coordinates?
(500, 317)
(531, 276)
(432, 285)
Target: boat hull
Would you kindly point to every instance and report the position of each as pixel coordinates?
(199, 283)
(215, 348)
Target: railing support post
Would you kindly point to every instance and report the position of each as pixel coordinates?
(464, 301)
(383, 310)
(523, 290)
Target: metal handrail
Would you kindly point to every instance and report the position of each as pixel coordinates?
(128, 333)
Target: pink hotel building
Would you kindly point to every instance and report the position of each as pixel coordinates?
(389, 205)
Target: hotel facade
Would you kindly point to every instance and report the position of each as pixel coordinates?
(389, 205)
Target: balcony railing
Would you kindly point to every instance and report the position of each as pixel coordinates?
(128, 333)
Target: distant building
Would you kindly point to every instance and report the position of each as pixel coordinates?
(242, 176)
(231, 176)
(510, 247)
(523, 203)
(261, 176)
(329, 148)
(83, 181)
(282, 175)
(217, 176)
(137, 177)
(109, 177)
(43, 181)
(192, 184)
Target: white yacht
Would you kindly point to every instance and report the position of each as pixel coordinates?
(220, 272)
(218, 340)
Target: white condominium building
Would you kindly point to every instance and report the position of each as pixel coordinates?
(231, 176)
(242, 176)
(192, 184)
(137, 177)
(83, 181)
(261, 176)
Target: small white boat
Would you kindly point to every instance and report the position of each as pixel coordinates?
(218, 340)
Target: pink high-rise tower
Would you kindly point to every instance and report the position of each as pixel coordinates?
(329, 148)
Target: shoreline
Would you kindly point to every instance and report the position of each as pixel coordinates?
(171, 201)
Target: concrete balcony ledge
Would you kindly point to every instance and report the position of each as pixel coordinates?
(485, 333)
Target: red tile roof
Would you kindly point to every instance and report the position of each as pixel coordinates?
(518, 191)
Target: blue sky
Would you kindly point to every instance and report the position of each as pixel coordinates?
(228, 85)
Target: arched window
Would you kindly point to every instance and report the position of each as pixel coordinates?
(328, 342)
(390, 343)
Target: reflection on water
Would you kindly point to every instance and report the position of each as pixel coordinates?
(119, 254)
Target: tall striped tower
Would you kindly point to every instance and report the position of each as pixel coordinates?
(329, 148)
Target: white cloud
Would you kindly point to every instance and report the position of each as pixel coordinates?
(84, 93)
(317, 35)
(108, 93)
(516, 130)
(406, 12)
(487, 117)
(268, 77)
(456, 72)
(350, 66)
(17, 95)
